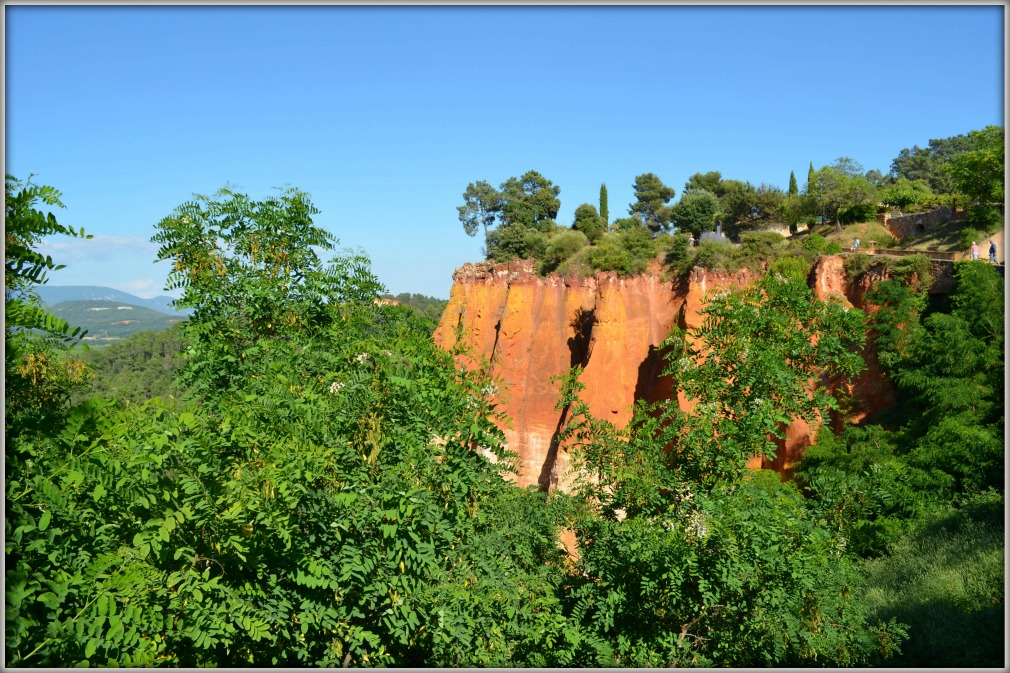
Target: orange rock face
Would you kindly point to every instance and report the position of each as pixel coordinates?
(532, 328)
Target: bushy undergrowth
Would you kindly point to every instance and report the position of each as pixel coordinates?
(944, 578)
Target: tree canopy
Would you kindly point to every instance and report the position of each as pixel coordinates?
(651, 197)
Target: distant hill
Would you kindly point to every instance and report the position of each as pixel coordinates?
(57, 294)
(110, 321)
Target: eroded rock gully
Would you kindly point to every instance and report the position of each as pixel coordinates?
(533, 328)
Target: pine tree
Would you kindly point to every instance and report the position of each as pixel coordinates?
(604, 212)
(793, 189)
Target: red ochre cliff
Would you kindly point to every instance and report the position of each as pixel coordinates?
(532, 328)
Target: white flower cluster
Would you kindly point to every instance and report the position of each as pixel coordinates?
(685, 363)
(336, 386)
(361, 357)
(698, 525)
(490, 389)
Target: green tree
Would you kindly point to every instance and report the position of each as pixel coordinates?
(530, 200)
(794, 190)
(903, 192)
(810, 178)
(979, 173)
(39, 380)
(481, 207)
(930, 163)
(589, 222)
(341, 502)
(841, 188)
(680, 546)
(604, 206)
(695, 212)
(710, 182)
(250, 271)
(651, 197)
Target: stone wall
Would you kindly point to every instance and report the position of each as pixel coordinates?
(908, 224)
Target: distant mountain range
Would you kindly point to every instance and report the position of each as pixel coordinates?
(57, 294)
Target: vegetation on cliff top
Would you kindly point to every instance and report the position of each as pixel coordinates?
(519, 218)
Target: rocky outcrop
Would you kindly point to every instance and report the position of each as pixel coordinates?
(531, 329)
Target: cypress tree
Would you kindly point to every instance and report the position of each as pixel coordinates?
(810, 177)
(793, 189)
(604, 211)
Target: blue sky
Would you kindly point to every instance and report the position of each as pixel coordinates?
(385, 114)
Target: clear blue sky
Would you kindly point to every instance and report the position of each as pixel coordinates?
(385, 114)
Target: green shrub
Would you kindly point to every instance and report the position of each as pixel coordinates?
(516, 241)
(866, 212)
(678, 248)
(716, 255)
(640, 245)
(578, 264)
(886, 241)
(762, 243)
(955, 610)
(913, 265)
(610, 255)
(814, 243)
(623, 223)
(561, 247)
(856, 265)
(832, 248)
(793, 266)
(985, 219)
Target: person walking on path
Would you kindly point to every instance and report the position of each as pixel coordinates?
(974, 250)
(992, 252)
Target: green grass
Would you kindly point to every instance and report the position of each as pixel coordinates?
(945, 580)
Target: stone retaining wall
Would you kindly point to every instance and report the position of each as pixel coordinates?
(908, 224)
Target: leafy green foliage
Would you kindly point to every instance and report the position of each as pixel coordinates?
(530, 200)
(903, 192)
(796, 267)
(926, 501)
(38, 379)
(695, 212)
(945, 579)
(589, 222)
(930, 163)
(685, 558)
(842, 191)
(516, 242)
(651, 197)
(562, 247)
(337, 498)
(627, 252)
(250, 271)
(481, 205)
